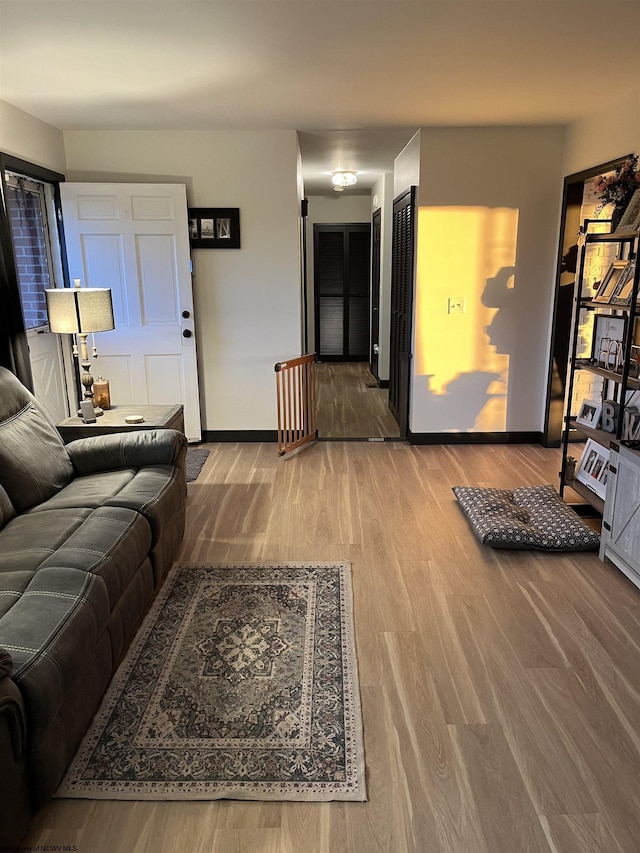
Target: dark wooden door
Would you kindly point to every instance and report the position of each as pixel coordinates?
(402, 263)
(375, 292)
(342, 266)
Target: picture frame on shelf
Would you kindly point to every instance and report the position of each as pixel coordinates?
(214, 227)
(631, 217)
(608, 335)
(609, 283)
(593, 468)
(622, 293)
(589, 413)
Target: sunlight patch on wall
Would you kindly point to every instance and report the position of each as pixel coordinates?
(466, 258)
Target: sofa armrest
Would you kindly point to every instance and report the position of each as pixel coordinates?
(135, 449)
(11, 707)
(14, 793)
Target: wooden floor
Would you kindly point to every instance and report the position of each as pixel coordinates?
(350, 404)
(500, 690)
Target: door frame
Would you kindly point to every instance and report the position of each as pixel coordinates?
(100, 216)
(374, 302)
(318, 227)
(400, 372)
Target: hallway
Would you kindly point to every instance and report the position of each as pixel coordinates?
(350, 404)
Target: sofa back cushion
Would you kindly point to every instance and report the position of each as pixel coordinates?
(7, 509)
(34, 463)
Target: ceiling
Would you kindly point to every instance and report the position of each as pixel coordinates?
(355, 77)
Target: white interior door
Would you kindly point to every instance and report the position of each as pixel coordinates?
(134, 239)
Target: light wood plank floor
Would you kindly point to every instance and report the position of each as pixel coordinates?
(500, 690)
(350, 405)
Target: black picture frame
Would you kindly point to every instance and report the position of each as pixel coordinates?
(214, 227)
(610, 328)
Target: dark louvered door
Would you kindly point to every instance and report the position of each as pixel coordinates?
(375, 292)
(342, 264)
(401, 307)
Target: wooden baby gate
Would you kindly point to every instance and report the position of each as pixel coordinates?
(296, 391)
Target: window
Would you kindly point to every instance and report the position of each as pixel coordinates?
(29, 222)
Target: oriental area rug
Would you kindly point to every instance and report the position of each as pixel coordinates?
(241, 683)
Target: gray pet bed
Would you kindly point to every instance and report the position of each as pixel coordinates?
(529, 517)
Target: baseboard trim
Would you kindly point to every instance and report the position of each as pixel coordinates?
(267, 435)
(383, 383)
(474, 437)
(240, 435)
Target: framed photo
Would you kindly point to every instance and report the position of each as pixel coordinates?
(631, 217)
(610, 281)
(214, 227)
(593, 468)
(622, 293)
(608, 334)
(589, 414)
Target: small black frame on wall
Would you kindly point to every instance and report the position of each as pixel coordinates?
(214, 227)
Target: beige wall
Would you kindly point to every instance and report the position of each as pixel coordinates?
(488, 216)
(246, 301)
(406, 167)
(30, 139)
(606, 134)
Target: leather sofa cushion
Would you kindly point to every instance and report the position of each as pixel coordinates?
(112, 543)
(90, 491)
(109, 541)
(27, 541)
(34, 463)
(7, 509)
(157, 492)
(49, 632)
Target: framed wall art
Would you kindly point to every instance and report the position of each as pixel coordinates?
(608, 331)
(610, 281)
(631, 217)
(594, 467)
(214, 227)
(589, 414)
(622, 293)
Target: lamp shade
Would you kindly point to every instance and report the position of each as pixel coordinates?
(80, 310)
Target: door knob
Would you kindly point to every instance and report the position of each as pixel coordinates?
(186, 315)
(187, 333)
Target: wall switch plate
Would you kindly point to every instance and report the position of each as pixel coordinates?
(456, 305)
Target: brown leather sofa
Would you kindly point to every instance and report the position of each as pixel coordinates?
(87, 533)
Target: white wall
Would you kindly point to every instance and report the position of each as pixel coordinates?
(339, 208)
(406, 166)
(606, 134)
(247, 301)
(488, 218)
(28, 138)
(383, 192)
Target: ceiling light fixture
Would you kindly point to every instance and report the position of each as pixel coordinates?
(341, 179)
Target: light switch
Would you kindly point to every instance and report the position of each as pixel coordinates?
(456, 305)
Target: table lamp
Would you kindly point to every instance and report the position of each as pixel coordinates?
(81, 311)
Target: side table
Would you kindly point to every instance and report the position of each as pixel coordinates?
(155, 417)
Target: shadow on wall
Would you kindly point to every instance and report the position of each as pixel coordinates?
(470, 393)
(466, 333)
(467, 394)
